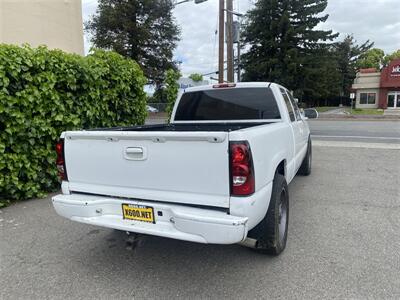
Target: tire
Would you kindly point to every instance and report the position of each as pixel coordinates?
(305, 168)
(271, 232)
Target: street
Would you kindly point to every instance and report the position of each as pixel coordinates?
(344, 239)
(385, 131)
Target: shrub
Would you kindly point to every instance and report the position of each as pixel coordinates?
(196, 77)
(44, 92)
(172, 89)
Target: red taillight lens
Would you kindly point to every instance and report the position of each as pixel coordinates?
(242, 169)
(60, 162)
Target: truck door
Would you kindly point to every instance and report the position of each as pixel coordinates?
(297, 130)
(300, 122)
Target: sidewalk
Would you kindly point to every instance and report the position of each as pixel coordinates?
(334, 111)
(342, 113)
(359, 117)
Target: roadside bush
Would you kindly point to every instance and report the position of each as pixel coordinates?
(171, 89)
(44, 92)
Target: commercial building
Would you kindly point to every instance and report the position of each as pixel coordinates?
(54, 23)
(376, 89)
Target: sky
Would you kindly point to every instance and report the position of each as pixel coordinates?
(374, 20)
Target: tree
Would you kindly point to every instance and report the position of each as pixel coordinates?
(172, 89)
(143, 30)
(159, 96)
(196, 77)
(322, 79)
(285, 46)
(389, 57)
(373, 58)
(347, 53)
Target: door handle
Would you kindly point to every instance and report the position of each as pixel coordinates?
(135, 150)
(135, 153)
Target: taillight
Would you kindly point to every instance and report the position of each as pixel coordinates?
(60, 162)
(242, 169)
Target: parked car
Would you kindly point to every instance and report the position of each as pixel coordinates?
(151, 109)
(218, 173)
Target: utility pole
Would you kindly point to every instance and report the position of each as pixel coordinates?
(221, 32)
(238, 62)
(229, 39)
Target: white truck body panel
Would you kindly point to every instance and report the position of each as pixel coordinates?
(269, 148)
(178, 222)
(184, 175)
(182, 167)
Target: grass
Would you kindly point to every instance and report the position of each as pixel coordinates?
(321, 109)
(366, 111)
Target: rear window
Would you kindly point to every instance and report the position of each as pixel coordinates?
(228, 104)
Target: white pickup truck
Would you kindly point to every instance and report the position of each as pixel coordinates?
(218, 173)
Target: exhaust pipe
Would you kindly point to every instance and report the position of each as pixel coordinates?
(249, 242)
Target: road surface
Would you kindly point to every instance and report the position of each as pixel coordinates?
(380, 131)
(344, 241)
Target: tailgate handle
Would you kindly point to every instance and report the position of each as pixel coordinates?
(135, 153)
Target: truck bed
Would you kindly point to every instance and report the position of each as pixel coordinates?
(207, 127)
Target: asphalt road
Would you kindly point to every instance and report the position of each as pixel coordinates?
(379, 131)
(344, 241)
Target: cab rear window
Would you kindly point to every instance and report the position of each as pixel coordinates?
(228, 104)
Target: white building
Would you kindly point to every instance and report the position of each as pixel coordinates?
(367, 84)
(54, 23)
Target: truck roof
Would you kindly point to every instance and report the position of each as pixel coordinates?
(237, 84)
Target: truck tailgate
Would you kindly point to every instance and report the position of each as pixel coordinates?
(179, 167)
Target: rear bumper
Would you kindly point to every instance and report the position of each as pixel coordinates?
(177, 222)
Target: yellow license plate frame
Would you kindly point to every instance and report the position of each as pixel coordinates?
(136, 212)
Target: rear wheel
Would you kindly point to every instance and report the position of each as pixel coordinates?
(305, 168)
(271, 233)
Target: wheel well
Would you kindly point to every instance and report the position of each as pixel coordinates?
(280, 169)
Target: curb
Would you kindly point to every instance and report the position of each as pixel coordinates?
(342, 144)
(359, 117)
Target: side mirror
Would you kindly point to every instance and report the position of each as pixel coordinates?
(310, 113)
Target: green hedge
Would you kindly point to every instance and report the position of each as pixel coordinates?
(171, 89)
(44, 92)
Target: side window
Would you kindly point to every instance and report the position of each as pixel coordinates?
(363, 98)
(288, 105)
(295, 106)
(367, 98)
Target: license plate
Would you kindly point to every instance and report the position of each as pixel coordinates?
(138, 213)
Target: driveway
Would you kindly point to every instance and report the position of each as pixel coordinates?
(335, 111)
(344, 241)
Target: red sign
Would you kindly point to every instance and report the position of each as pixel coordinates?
(395, 70)
(390, 76)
